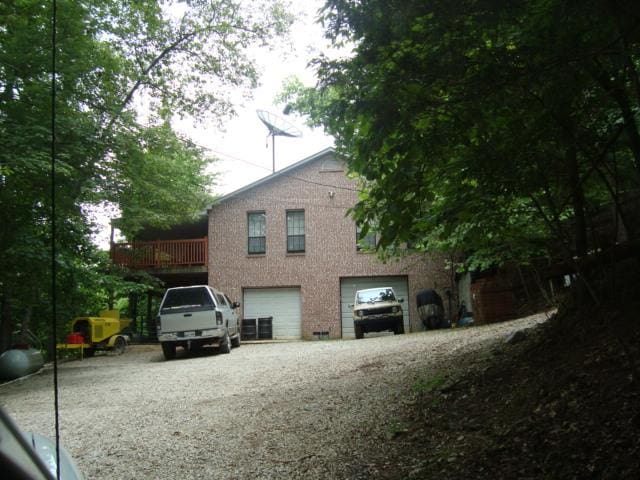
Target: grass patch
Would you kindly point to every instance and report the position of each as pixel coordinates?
(428, 385)
(395, 428)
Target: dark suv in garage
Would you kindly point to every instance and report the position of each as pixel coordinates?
(375, 310)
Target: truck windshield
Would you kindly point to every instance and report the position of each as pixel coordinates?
(378, 295)
(187, 298)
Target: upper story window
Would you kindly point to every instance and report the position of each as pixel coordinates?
(257, 222)
(367, 243)
(295, 231)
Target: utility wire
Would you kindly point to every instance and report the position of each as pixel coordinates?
(304, 180)
(54, 311)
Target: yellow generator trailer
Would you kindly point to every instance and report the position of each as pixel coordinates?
(106, 332)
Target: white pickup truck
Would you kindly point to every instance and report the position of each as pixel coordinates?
(195, 316)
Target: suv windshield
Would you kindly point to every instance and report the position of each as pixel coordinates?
(377, 295)
(187, 298)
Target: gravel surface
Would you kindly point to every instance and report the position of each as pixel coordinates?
(268, 411)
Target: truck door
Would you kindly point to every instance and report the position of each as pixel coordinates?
(234, 315)
(227, 313)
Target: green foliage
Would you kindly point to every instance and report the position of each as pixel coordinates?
(488, 129)
(429, 385)
(396, 427)
(124, 69)
(173, 169)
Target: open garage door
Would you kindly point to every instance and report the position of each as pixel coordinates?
(348, 288)
(281, 304)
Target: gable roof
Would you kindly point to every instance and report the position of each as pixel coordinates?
(280, 173)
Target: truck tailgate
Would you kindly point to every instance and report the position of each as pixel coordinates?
(182, 322)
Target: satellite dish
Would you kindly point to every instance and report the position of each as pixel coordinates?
(278, 127)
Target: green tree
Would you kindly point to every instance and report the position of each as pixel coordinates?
(489, 128)
(157, 160)
(124, 69)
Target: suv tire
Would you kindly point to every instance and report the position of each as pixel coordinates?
(235, 341)
(359, 331)
(399, 330)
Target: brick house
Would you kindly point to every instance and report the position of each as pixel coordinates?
(285, 248)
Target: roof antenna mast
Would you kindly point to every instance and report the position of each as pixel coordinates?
(278, 127)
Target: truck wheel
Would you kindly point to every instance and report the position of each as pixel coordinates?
(359, 332)
(119, 346)
(399, 330)
(225, 346)
(235, 341)
(169, 350)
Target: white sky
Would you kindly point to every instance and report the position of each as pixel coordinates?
(243, 148)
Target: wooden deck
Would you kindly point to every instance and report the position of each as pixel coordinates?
(160, 253)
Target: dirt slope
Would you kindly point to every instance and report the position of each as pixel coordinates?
(561, 402)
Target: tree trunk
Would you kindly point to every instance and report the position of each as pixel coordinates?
(620, 213)
(150, 319)
(26, 325)
(620, 97)
(577, 200)
(6, 328)
(631, 129)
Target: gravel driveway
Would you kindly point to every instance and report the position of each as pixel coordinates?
(279, 410)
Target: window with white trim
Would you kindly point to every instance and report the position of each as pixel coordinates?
(295, 231)
(257, 232)
(368, 242)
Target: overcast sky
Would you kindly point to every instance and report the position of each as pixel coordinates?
(244, 149)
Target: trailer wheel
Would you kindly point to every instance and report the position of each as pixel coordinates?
(119, 346)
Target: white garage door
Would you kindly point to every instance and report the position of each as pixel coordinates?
(348, 288)
(283, 304)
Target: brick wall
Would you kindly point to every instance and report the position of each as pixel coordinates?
(330, 250)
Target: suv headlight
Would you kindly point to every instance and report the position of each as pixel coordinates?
(357, 313)
(395, 309)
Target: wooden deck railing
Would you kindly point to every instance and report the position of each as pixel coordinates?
(160, 253)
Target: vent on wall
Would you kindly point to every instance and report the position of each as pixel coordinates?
(332, 165)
